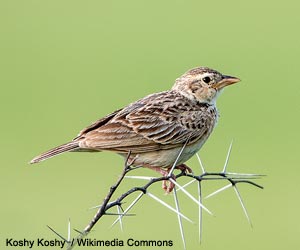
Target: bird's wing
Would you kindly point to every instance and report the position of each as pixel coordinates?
(160, 121)
(97, 124)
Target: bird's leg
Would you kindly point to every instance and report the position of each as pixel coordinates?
(165, 172)
(167, 185)
(181, 167)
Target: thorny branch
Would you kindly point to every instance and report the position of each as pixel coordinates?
(232, 178)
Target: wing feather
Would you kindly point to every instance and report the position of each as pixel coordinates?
(159, 121)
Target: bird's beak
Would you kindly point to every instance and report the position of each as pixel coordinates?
(226, 81)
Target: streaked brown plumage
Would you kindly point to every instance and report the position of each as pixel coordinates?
(155, 128)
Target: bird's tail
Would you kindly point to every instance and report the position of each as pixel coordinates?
(70, 146)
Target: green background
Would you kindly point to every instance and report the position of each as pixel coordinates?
(64, 64)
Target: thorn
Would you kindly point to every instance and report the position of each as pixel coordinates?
(120, 218)
(200, 210)
(129, 207)
(227, 157)
(168, 206)
(245, 174)
(120, 214)
(219, 190)
(133, 160)
(242, 204)
(179, 218)
(190, 196)
(139, 177)
(58, 234)
(69, 230)
(187, 184)
(177, 158)
(200, 162)
(80, 232)
(95, 207)
(127, 159)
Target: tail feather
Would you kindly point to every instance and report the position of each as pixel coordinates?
(73, 145)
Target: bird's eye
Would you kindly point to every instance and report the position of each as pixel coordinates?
(206, 79)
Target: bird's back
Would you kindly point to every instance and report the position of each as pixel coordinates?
(159, 121)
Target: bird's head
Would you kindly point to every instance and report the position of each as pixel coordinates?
(203, 84)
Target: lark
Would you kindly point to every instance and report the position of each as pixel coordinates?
(159, 127)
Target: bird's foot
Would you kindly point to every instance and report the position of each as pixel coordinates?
(167, 185)
(184, 168)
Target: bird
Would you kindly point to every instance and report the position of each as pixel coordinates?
(159, 130)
